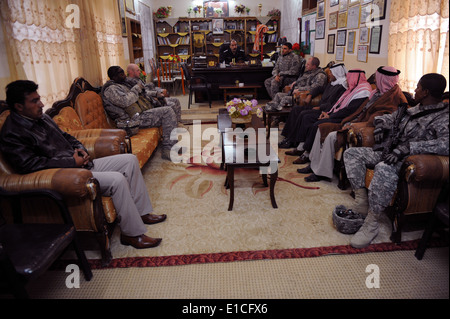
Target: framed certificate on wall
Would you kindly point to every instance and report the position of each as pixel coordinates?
(375, 39)
(330, 45)
(340, 52)
(362, 53)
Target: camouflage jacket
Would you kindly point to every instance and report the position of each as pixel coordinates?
(150, 88)
(117, 98)
(313, 81)
(288, 65)
(424, 129)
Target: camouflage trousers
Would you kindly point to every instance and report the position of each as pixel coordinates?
(160, 116)
(384, 182)
(174, 103)
(273, 87)
(280, 100)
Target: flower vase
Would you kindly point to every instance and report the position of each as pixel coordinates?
(242, 120)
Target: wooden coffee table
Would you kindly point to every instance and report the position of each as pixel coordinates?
(240, 152)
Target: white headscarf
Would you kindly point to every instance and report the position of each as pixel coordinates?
(340, 73)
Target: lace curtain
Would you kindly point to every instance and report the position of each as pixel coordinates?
(418, 39)
(41, 47)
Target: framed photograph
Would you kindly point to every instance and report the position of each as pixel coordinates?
(321, 10)
(330, 44)
(351, 42)
(353, 17)
(378, 10)
(213, 6)
(231, 26)
(362, 53)
(340, 52)
(342, 20)
(217, 25)
(353, 2)
(341, 37)
(364, 35)
(334, 3)
(320, 29)
(343, 5)
(129, 5)
(123, 22)
(364, 16)
(333, 20)
(375, 39)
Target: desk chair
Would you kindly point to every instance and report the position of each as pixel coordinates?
(196, 83)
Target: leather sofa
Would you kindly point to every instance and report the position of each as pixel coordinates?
(83, 109)
(90, 212)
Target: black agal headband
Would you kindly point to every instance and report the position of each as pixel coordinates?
(385, 72)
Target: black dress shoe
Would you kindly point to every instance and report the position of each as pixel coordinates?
(139, 242)
(315, 178)
(305, 170)
(151, 219)
(302, 160)
(294, 152)
(285, 144)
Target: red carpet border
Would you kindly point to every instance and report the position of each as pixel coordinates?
(179, 260)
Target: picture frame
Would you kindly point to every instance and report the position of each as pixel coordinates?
(340, 53)
(333, 20)
(217, 26)
(334, 3)
(362, 53)
(375, 39)
(343, 4)
(351, 41)
(342, 20)
(320, 29)
(330, 43)
(320, 9)
(364, 16)
(231, 25)
(341, 37)
(123, 21)
(363, 35)
(353, 2)
(353, 17)
(129, 6)
(378, 10)
(212, 5)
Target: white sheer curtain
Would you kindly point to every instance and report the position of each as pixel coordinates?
(419, 39)
(42, 47)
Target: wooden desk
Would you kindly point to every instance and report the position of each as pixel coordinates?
(251, 89)
(216, 76)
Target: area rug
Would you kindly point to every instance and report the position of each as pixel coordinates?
(200, 229)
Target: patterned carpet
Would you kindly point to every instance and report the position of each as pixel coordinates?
(200, 229)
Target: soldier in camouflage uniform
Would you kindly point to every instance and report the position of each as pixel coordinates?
(313, 80)
(133, 72)
(286, 70)
(423, 129)
(122, 101)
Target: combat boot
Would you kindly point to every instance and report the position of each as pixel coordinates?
(367, 232)
(361, 204)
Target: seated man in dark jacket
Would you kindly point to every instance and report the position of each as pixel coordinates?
(31, 141)
(234, 54)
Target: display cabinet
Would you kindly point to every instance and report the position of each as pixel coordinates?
(198, 40)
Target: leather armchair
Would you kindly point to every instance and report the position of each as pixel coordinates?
(421, 180)
(81, 192)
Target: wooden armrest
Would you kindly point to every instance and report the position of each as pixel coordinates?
(426, 167)
(70, 182)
